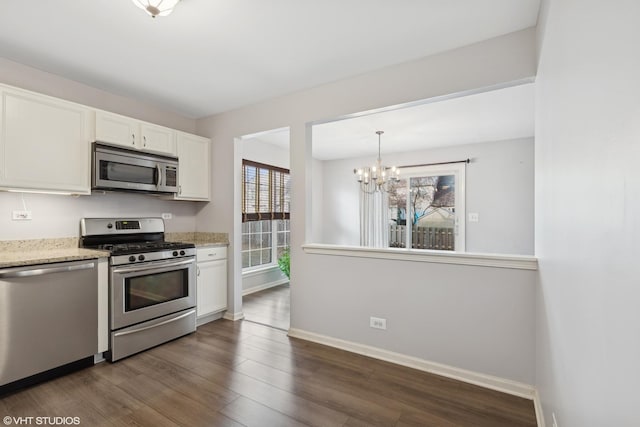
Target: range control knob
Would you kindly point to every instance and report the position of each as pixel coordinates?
(140, 257)
(175, 253)
(132, 258)
(181, 252)
(109, 225)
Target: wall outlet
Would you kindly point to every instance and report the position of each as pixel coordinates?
(21, 216)
(553, 417)
(167, 216)
(378, 323)
(474, 217)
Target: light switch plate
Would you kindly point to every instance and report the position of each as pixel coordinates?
(474, 217)
(167, 216)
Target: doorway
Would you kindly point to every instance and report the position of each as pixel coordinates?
(265, 228)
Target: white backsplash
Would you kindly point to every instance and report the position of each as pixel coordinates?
(59, 216)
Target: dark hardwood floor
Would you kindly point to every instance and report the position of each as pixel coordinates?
(241, 373)
(268, 307)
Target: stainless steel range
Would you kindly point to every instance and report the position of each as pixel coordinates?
(152, 283)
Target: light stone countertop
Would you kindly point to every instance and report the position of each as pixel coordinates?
(200, 239)
(17, 253)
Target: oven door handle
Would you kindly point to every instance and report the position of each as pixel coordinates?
(153, 266)
(144, 328)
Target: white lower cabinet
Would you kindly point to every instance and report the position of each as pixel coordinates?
(211, 292)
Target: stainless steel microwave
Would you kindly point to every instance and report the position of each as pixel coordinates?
(119, 169)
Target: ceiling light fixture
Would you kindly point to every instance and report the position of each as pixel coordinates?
(376, 177)
(156, 7)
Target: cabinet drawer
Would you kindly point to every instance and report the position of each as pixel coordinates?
(210, 254)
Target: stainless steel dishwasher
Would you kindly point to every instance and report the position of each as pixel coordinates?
(48, 317)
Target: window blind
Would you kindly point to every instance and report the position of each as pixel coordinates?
(265, 191)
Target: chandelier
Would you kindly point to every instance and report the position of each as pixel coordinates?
(156, 7)
(376, 177)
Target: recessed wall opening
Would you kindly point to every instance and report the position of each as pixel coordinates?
(465, 180)
(265, 231)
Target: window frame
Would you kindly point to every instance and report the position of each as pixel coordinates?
(274, 248)
(279, 204)
(458, 170)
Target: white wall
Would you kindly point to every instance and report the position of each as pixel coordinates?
(262, 152)
(497, 334)
(317, 201)
(588, 213)
(499, 187)
(59, 216)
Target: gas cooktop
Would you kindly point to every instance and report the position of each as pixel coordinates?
(142, 247)
(126, 237)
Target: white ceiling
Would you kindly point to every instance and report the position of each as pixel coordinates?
(489, 116)
(211, 56)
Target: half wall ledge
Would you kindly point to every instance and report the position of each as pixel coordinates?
(517, 262)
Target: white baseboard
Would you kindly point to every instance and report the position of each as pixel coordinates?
(488, 381)
(538, 407)
(233, 316)
(209, 318)
(264, 286)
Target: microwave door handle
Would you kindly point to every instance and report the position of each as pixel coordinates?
(158, 176)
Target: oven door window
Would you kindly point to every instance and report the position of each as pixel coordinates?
(152, 289)
(114, 171)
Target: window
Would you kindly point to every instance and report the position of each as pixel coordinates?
(265, 213)
(426, 208)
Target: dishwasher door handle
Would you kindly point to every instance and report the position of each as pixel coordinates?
(21, 272)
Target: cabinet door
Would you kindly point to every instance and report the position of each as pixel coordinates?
(117, 129)
(194, 167)
(158, 139)
(44, 143)
(211, 287)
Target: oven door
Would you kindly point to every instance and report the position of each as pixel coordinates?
(147, 291)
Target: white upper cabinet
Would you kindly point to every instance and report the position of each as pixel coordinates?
(135, 134)
(157, 138)
(117, 129)
(194, 173)
(44, 143)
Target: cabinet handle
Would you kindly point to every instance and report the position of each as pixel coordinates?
(198, 271)
(145, 140)
(179, 189)
(133, 139)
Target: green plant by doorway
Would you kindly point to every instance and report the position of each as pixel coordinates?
(283, 262)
